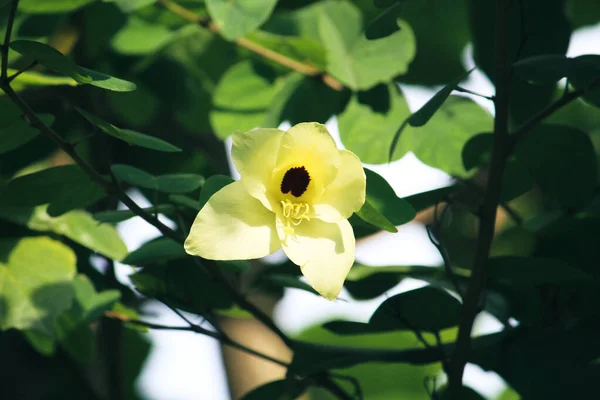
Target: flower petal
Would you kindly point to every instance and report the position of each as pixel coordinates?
(254, 154)
(324, 251)
(233, 225)
(346, 193)
(308, 145)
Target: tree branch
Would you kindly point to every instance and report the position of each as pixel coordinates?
(196, 329)
(491, 199)
(6, 43)
(279, 58)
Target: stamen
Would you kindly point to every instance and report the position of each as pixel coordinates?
(294, 214)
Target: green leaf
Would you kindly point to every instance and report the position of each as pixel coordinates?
(285, 389)
(182, 284)
(425, 309)
(356, 61)
(89, 303)
(30, 79)
(115, 216)
(238, 18)
(439, 143)
(300, 48)
(424, 114)
(562, 162)
(374, 114)
(383, 208)
(80, 227)
(186, 201)
(384, 24)
(129, 136)
(35, 276)
(137, 108)
(64, 188)
(544, 69)
(241, 99)
(14, 133)
(170, 183)
(139, 37)
(155, 251)
(212, 186)
(587, 72)
(53, 59)
(128, 6)
(528, 271)
(51, 6)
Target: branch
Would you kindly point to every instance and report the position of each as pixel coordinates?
(279, 58)
(568, 97)
(196, 329)
(491, 199)
(6, 43)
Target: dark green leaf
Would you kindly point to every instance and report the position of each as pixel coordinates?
(385, 24)
(562, 162)
(285, 389)
(171, 183)
(185, 201)
(53, 59)
(182, 284)
(129, 136)
(520, 271)
(155, 251)
(64, 188)
(90, 304)
(237, 19)
(421, 201)
(288, 281)
(16, 132)
(383, 208)
(544, 69)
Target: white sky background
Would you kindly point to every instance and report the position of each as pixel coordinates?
(186, 366)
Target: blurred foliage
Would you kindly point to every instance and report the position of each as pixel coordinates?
(145, 92)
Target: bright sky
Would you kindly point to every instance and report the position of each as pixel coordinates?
(186, 366)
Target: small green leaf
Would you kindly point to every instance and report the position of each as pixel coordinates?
(285, 389)
(238, 18)
(185, 201)
(53, 59)
(33, 79)
(140, 37)
(90, 305)
(80, 227)
(171, 183)
(383, 208)
(544, 69)
(155, 251)
(212, 186)
(300, 48)
(424, 114)
(35, 277)
(129, 136)
(128, 6)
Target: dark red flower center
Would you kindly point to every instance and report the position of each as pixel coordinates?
(296, 181)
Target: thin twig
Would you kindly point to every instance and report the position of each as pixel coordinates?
(279, 58)
(463, 90)
(6, 43)
(16, 74)
(491, 199)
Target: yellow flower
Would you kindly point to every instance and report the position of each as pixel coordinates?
(296, 191)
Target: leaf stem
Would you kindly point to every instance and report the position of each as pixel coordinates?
(279, 58)
(464, 90)
(491, 200)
